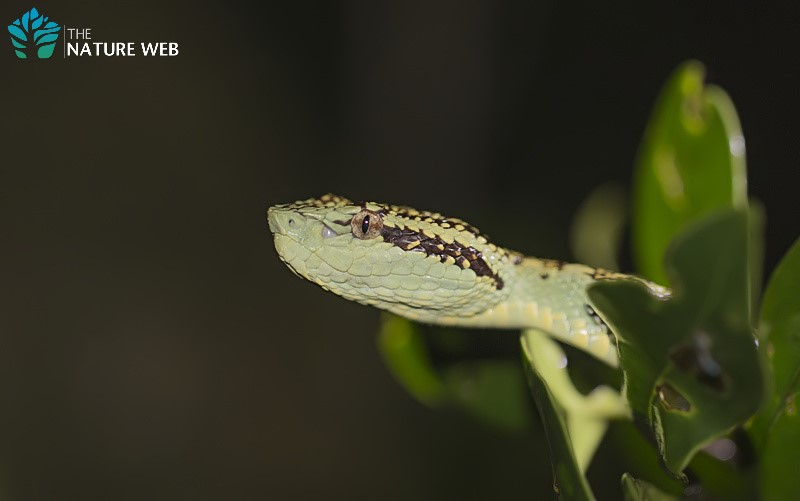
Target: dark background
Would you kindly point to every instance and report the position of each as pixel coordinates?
(152, 346)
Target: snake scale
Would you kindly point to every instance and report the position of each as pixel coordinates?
(439, 270)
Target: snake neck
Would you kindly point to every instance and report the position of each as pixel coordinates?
(549, 295)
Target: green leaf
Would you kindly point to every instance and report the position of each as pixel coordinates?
(756, 253)
(690, 163)
(569, 481)
(634, 453)
(690, 363)
(403, 349)
(598, 225)
(639, 490)
(492, 391)
(776, 430)
(574, 423)
(779, 457)
(780, 332)
(721, 480)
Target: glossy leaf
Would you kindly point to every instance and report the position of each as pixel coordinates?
(779, 464)
(569, 482)
(574, 423)
(780, 333)
(492, 391)
(635, 454)
(690, 362)
(403, 350)
(598, 226)
(721, 479)
(639, 490)
(776, 431)
(691, 162)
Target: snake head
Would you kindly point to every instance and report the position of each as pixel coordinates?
(413, 263)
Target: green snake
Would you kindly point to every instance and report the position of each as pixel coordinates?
(439, 270)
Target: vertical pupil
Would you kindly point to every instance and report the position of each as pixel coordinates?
(365, 225)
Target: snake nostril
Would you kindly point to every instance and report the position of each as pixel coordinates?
(291, 222)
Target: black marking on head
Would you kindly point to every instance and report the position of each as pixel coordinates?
(544, 276)
(465, 256)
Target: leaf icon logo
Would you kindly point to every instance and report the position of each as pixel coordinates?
(34, 35)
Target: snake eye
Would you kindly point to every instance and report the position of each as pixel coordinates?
(366, 224)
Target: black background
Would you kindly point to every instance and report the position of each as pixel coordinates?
(152, 346)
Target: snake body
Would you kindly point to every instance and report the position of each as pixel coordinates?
(438, 270)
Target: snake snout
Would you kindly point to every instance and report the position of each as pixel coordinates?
(284, 222)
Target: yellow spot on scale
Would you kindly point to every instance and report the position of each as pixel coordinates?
(460, 227)
(501, 311)
(532, 309)
(599, 343)
(579, 324)
(428, 233)
(412, 244)
(561, 327)
(465, 264)
(580, 339)
(546, 317)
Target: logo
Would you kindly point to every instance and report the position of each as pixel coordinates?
(33, 35)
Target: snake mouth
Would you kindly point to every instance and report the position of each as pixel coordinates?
(292, 254)
(285, 227)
